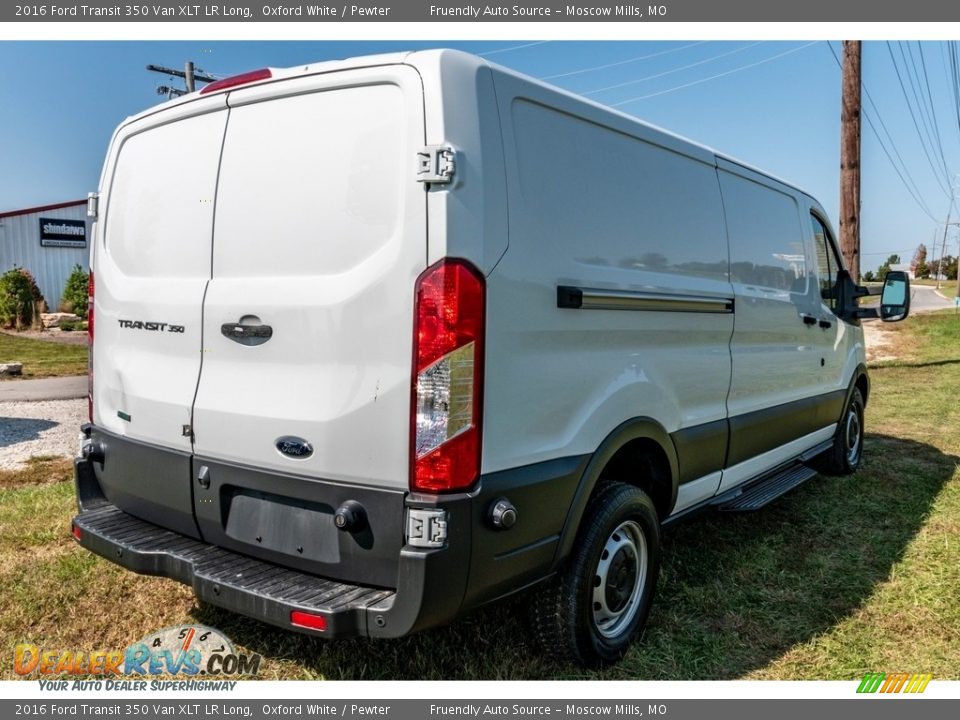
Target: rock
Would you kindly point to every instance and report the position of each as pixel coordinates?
(10, 368)
(52, 320)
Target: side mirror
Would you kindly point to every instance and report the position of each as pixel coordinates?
(895, 298)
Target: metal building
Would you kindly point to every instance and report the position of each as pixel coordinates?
(48, 241)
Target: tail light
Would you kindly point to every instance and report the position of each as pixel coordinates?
(90, 348)
(447, 377)
(235, 80)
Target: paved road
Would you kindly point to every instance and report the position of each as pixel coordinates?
(60, 388)
(924, 298)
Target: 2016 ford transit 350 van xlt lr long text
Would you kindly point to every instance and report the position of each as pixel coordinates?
(378, 341)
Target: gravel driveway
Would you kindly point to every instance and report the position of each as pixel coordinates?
(45, 427)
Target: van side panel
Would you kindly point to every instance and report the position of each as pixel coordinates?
(598, 203)
(779, 374)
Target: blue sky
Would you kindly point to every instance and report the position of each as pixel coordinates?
(775, 105)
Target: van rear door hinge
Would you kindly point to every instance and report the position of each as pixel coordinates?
(436, 164)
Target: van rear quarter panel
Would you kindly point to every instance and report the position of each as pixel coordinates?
(596, 201)
(467, 218)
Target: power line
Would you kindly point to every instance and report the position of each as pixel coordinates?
(718, 75)
(921, 105)
(511, 49)
(883, 125)
(622, 62)
(673, 71)
(954, 75)
(933, 112)
(915, 195)
(916, 125)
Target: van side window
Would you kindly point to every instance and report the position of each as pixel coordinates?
(766, 242)
(828, 263)
(631, 214)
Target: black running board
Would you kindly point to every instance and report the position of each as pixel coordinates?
(764, 491)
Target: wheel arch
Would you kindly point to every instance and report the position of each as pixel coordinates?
(639, 452)
(860, 381)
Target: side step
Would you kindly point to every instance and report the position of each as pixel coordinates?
(755, 496)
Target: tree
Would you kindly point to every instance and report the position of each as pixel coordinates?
(947, 265)
(75, 292)
(20, 300)
(885, 268)
(919, 263)
(868, 276)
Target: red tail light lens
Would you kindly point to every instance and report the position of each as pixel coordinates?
(233, 81)
(90, 293)
(448, 377)
(77, 533)
(308, 620)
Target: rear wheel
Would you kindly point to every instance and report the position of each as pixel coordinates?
(847, 451)
(593, 609)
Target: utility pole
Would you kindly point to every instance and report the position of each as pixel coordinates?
(957, 293)
(191, 76)
(943, 249)
(850, 159)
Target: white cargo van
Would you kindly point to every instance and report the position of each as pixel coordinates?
(376, 342)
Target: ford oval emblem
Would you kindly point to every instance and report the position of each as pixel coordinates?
(294, 447)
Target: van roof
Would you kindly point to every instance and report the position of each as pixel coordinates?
(445, 56)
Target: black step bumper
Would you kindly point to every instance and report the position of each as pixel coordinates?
(430, 588)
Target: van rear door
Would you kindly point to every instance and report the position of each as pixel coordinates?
(152, 264)
(320, 235)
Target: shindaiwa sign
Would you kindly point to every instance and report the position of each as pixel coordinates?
(63, 233)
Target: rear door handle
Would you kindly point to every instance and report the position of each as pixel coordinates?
(825, 324)
(247, 334)
(808, 319)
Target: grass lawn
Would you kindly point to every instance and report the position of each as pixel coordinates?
(841, 577)
(43, 359)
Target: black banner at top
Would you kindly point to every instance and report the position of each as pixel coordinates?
(527, 11)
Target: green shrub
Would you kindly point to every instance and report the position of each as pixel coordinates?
(20, 299)
(76, 291)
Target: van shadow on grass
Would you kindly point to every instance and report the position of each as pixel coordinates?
(735, 593)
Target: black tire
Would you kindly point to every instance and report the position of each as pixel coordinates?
(619, 529)
(847, 451)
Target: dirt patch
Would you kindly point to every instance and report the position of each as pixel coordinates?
(879, 342)
(37, 470)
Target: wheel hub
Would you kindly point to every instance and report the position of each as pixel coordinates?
(853, 436)
(619, 579)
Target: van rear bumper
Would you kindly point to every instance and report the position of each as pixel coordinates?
(429, 592)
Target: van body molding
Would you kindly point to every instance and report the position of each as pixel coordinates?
(569, 296)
